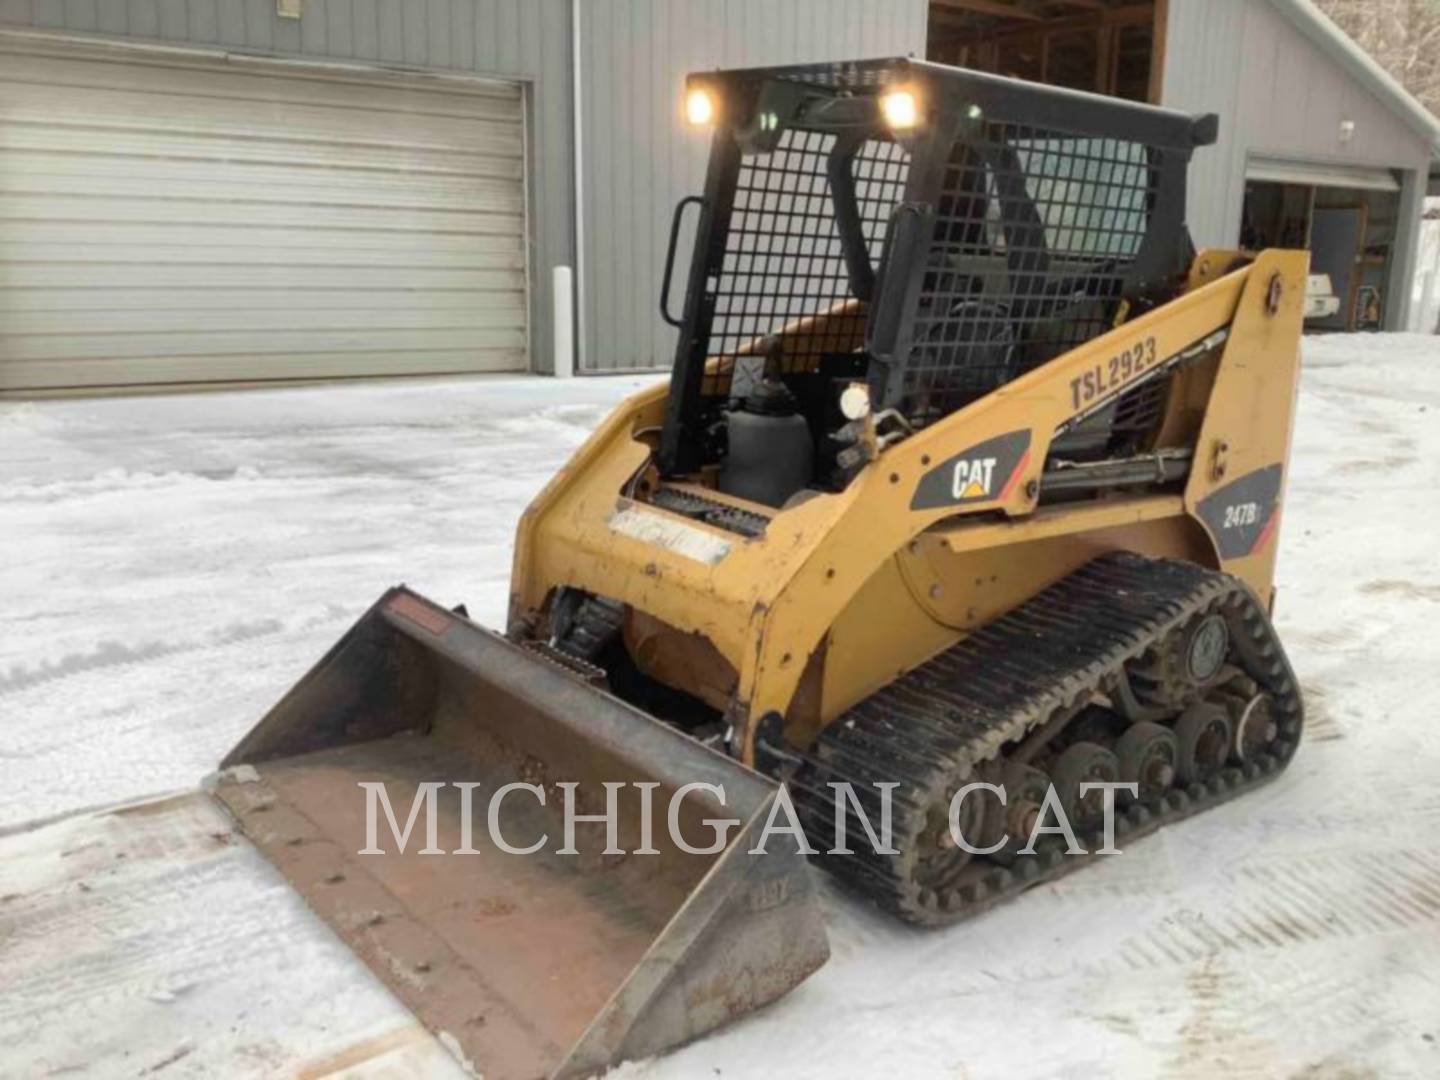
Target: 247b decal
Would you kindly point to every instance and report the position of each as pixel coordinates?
(1103, 379)
(1241, 515)
(984, 472)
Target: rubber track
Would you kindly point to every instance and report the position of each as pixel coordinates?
(930, 730)
(595, 623)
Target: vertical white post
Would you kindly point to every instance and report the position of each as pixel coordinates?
(578, 340)
(1425, 321)
(562, 330)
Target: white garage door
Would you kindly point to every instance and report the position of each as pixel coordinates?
(1282, 171)
(174, 220)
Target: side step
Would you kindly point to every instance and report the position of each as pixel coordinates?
(524, 965)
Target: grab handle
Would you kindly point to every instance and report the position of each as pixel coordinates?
(670, 254)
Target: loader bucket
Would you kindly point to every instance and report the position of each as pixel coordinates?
(524, 965)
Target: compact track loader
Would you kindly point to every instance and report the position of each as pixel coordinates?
(968, 472)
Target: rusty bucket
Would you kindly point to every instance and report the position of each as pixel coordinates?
(546, 963)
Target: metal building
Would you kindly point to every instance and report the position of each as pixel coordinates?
(202, 191)
(215, 191)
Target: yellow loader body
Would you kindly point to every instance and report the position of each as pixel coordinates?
(874, 586)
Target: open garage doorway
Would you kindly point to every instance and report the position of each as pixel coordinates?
(1349, 229)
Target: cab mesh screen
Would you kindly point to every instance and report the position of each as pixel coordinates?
(784, 261)
(1034, 239)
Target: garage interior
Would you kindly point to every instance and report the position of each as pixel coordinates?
(1349, 230)
(1112, 47)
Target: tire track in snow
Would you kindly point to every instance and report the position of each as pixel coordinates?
(1292, 901)
(109, 654)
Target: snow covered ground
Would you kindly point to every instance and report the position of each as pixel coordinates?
(170, 565)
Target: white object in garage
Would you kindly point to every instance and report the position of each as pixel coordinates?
(176, 217)
(1320, 299)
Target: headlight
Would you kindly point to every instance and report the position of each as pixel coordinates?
(699, 108)
(855, 401)
(900, 109)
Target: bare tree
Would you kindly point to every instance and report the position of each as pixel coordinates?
(1402, 35)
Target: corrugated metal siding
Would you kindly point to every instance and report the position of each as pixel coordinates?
(1202, 74)
(528, 39)
(1277, 96)
(173, 220)
(638, 156)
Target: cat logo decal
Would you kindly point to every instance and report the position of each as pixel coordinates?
(985, 472)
